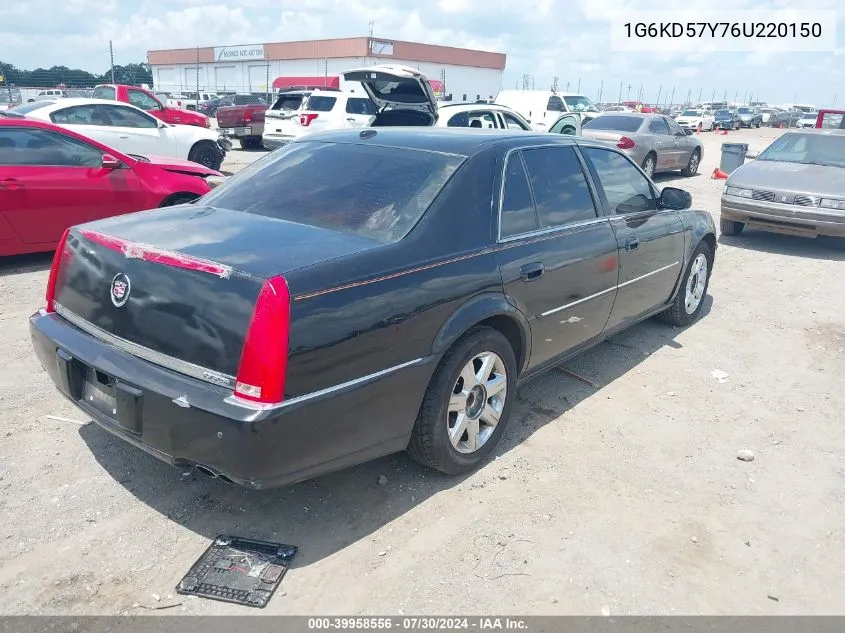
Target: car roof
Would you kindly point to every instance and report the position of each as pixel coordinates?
(75, 101)
(471, 105)
(460, 141)
(828, 131)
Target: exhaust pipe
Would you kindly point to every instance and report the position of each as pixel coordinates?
(205, 470)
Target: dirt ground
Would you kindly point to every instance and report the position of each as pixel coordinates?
(626, 498)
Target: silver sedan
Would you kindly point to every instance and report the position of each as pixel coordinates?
(653, 141)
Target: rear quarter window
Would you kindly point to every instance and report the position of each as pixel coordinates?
(367, 190)
(319, 103)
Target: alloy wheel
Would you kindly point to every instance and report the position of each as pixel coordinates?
(696, 282)
(648, 166)
(477, 401)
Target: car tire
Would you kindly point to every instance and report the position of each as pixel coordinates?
(449, 401)
(692, 167)
(206, 153)
(649, 164)
(688, 302)
(178, 198)
(729, 227)
(251, 142)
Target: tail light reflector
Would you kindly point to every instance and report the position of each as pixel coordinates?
(305, 119)
(263, 364)
(53, 279)
(625, 143)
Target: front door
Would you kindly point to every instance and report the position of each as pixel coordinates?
(139, 132)
(557, 255)
(650, 240)
(49, 181)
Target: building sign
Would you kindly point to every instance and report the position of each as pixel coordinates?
(238, 53)
(381, 48)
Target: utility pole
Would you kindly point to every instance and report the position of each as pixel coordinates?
(745, 99)
(672, 98)
(699, 96)
(834, 100)
(629, 92)
(267, 87)
(713, 98)
(111, 60)
(601, 88)
(620, 94)
(579, 86)
(567, 86)
(198, 73)
(554, 85)
(659, 92)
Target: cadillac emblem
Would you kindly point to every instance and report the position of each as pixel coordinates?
(120, 287)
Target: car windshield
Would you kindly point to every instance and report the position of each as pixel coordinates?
(580, 104)
(691, 113)
(723, 114)
(744, 111)
(372, 191)
(615, 122)
(807, 149)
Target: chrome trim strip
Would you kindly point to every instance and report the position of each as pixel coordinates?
(145, 353)
(575, 303)
(653, 272)
(257, 406)
(552, 229)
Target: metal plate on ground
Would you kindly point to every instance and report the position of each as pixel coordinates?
(239, 570)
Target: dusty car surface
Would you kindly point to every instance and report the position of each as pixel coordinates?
(361, 292)
(795, 186)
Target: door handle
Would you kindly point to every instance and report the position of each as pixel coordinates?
(632, 244)
(530, 272)
(10, 184)
(123, 136)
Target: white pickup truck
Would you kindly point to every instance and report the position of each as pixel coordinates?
(189, 100)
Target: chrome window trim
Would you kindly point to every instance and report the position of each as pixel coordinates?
(257, 406)
(501, 201)
(653, 272)
(157, 358)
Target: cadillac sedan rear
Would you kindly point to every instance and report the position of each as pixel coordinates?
(184, 330)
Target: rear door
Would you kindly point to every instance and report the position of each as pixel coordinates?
(650, 240)
(359, 112)
(49, 181)
(664, 144)
(683, 146)
(557, 255)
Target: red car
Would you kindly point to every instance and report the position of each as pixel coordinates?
(146, 100)
(52, 178)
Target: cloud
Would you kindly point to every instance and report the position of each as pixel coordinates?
(567, 39)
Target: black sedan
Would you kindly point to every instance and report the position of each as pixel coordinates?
(726, 120)
(788, 118)
(362, 292)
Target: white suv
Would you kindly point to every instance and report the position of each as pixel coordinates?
(320, 111)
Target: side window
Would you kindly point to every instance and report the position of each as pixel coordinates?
(30, 147)
(625, 188)
(360, 106)
(80, 115)
(674, 128)
(560, 189)
(482, 120)
(104, 92)
(141, 99)
(461, 119)
(564, 125)
(658, 126)
(513, 123)
(127, 117)
(518, 215)
(555, 104)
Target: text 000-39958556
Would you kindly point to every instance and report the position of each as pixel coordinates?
(736, 31)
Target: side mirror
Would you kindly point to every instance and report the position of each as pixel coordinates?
(674, 198)
(688, 131)
(110, 162)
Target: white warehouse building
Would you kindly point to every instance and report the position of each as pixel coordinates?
(456, 74)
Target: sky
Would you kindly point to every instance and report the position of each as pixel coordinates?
(567, 39)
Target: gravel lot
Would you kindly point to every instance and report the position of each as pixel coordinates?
(625, 498)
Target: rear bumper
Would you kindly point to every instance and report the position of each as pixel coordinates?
(187, 422)
(788, 219)
(241, 131)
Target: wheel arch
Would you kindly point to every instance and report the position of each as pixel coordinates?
(188, 196)
(491, 310)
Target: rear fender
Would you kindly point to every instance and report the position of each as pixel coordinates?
(478, 309)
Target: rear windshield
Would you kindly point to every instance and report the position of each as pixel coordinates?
(368, 190)
(26, 108)
(288, 102)
(617, 122)
(247, 100)
(319, 104)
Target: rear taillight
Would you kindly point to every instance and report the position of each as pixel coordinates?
(305, 119)
(53, 279)
(261, 372)
(625, 143)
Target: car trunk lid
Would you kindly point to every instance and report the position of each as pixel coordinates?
(395, 86)
(179, 286)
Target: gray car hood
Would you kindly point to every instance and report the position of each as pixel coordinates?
(770, 175)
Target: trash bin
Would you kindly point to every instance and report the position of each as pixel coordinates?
(733, 156)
